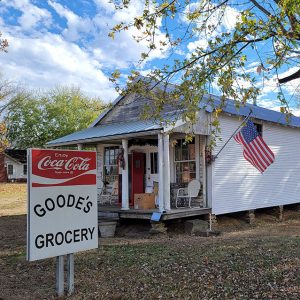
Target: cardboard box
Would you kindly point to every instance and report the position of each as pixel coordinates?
(144, 201)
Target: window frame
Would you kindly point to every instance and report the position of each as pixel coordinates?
(112, 163)
(191, 160)
(259, 128)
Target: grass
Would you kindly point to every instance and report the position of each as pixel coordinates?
(250, 262)
(13, 199)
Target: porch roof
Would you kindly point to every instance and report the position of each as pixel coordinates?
(109, 131)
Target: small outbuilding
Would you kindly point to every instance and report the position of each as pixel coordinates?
(13, 165)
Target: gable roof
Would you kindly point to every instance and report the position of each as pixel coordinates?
(210, 102)
(20, 156)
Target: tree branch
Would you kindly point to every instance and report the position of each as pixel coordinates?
(294, 76)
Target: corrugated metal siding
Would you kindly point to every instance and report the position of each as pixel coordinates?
(107, 131)
(238, 186)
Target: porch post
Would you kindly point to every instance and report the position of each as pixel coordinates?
(167, 198)
(197, 156)
(160, 173)
(125, 175)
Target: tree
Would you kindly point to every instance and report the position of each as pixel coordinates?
(4, 92)
(224, 36)
(33, 120)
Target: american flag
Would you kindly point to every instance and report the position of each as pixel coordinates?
(256, 151)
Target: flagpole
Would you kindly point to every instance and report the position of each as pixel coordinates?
(246, 119)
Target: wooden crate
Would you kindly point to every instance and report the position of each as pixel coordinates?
(144, 201)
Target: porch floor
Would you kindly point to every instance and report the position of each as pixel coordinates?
(116, 212)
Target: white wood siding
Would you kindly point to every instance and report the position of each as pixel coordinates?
(238, 186)
(18, 169)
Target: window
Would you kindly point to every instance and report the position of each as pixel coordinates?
(24, 169)
(111, 170)
(10, 169)
(185, 164)
(153, 162)
(259, 128)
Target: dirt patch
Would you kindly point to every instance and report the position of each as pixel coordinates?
(13, 199)
(260, 261)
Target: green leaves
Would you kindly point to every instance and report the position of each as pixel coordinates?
(33, 120)
(223, 35)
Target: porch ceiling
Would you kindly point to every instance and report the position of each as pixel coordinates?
(108, 132)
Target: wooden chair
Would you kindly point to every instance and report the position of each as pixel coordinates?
(188, 193)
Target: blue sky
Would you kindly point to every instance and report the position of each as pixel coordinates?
(60, 42)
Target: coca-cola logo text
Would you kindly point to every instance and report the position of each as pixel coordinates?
(64, 164)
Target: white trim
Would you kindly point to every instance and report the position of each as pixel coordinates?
(160, 174)
(166, 172)
(125, 177)
(197, 156)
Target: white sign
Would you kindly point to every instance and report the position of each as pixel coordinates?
(62, 213)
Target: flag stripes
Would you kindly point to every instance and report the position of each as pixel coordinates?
(255, 150)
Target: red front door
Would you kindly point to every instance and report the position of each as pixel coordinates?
(137, 171)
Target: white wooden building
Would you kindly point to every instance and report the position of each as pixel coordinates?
(228, 184)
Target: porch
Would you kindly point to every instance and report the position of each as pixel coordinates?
(141, 160)
(114, 212)
(153, 173)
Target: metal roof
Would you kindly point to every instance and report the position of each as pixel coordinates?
(210, 102)
(105, 132)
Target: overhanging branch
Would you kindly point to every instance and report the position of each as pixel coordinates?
(294, 76)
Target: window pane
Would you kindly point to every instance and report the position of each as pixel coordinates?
(106, 159)
(185, 154)
(177, 153)
(192, 167)
(24, 169)
(185, 172)
(111, 156)
(154, 161)
(10, 169)
(191, 148)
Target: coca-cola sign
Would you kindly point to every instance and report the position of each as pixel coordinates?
(73, 166)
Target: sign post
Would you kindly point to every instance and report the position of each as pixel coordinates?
(62, 213)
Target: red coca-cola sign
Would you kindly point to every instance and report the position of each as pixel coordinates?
(63, 167)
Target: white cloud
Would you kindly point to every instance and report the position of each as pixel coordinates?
(124, 51)
(51, 61)
(31, 16)
(76, 25)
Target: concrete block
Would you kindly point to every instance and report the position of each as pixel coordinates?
(158, 228)
(250, 217)
(196, 226)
